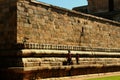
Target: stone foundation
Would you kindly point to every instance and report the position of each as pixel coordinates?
(35, 73)
(46, 57)
(44, 63)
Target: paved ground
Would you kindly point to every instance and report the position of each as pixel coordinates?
(84, 77)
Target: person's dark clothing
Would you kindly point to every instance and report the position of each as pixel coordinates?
(69, 59)
(77, 58)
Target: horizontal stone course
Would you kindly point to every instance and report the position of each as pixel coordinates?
(62, 71)
(56, 61)
(55, 53)
(64, 47)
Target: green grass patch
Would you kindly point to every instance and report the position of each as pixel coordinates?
(107, 78)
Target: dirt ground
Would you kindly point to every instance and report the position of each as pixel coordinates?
(84, 77)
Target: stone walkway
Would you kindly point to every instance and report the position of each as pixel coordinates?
(84, 77)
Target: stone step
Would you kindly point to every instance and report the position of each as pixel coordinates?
(56, 53)
(51, 64)
(56, 61)
(35, 64)
(63, 53)
(31, 64)
(34, 73)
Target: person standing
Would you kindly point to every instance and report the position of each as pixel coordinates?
(77, 58)
(69, 58)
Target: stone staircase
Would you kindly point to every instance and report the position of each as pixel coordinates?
(32, 63)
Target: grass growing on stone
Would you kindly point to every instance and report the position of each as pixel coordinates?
(107, 78)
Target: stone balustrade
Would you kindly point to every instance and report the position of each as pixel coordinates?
(64, 47)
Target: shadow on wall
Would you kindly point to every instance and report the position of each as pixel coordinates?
(8, 32)
(8, 39)
(11, 60)
(8, 23)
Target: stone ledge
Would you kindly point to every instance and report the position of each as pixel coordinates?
(62, 53)
(56, 74)
(22, 69)
(33, 73)
(55, 53)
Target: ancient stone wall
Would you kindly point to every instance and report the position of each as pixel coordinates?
(116, 17)
(7, 22)
(47, 24)
(98, 6)
(41, 26)
(102, 6)
(116, 5)
(43, 23)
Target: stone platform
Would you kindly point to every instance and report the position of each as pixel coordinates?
(33, 61)
(34, 73)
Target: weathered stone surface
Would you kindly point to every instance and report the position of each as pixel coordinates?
(35, 73)
(8, 21)
(56, 61)
(52, 25)
(98, 6)
(46, 24)
(102, 6)
(43, 23)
